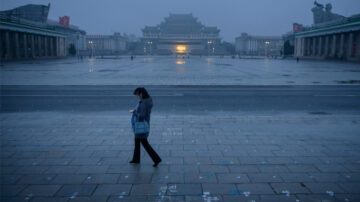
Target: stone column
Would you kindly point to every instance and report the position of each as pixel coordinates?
(320, 49)
(7, 45)
(341, 48)
(17, 46)
(57, 46)
(46, 46)
(302, 46)
(313, 52)
(39, 46)
(326, 48)
(51, 39)
(350, 45)
(333, 46)
(308, 46)
(25, 46)
(32, 46)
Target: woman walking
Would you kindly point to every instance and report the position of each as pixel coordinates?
(142, 112)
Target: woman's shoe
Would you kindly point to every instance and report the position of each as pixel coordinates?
(156, 163)
(134, 162)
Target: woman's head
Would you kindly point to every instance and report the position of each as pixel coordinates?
(141, 92)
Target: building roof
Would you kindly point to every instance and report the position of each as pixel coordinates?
(37, 13)
(180, 24)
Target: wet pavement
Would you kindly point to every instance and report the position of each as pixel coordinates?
(57, 156)
(157, 70)
(223, 142)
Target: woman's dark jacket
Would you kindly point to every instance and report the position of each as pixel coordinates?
(144, 110)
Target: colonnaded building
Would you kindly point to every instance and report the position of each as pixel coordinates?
(180, 34)
(27, 33)
(106, 44)
(251, 45)
(332, 36)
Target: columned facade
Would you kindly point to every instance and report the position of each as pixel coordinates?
(332, 42)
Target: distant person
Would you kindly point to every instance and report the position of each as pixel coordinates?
(142, 112)
(132, 57)
(297, 59)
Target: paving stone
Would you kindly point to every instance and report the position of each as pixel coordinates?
(89, 169)
(255, 188)
(101, 178)
(297, 177)
(37, 179)
(32, 170)
(213, 169)
(112, 189)
(76, 190)
(149, 189)
(197, 160)
(347, 197)
(200, 178)
(11, 190)
(127, 198)
(232, 178)
(264, 177)
(302, 168)
(328, 177)
(9, 178)
(223, 189)
(276, 198)
(225, 160)
(62, 170)
(252, 160)
(289, 188)
(166, 198)
(322, 188)
(69, 179)
(315, 197)
(40, 190)
(201, 198)
(331, 168)
(135, 178)
(273, 168)
(184, 168)
(244, 169)
(184, 189)
(165, 178)
(351, 187)
(85, 161)
(49, 199)
(89, 199)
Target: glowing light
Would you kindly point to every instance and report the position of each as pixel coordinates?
(180, 48)
(180, 62)
(267, 42)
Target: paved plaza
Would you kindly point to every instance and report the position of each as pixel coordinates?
(225, 138)
(49, 156)
(161, 70)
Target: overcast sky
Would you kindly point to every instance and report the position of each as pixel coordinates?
(232, 17)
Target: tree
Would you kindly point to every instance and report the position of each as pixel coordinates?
(288, 48)
(72, 50)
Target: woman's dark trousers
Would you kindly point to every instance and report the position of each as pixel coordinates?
(154, 156)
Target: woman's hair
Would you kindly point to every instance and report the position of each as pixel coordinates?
(142, 91)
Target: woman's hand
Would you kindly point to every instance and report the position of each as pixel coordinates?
(132, 111)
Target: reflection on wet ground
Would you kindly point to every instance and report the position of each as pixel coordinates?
(171, 70)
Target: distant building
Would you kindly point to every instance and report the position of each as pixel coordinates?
(106, 44)
(26, 32)
(259, 45)
(332, 36)
(180, 34)
(74, 36)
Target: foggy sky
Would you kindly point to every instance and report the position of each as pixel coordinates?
(232, 17)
